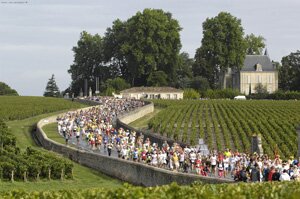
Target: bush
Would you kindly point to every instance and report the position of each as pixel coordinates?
(214, 191)
(190, 94)
(109, 91)
(278, 95)
(199, 83)
(221, 93)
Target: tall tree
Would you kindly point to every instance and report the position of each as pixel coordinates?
(113, 42)
(147, 42)
(289, 72)
(88, 62)
(51, 88)
(223, 46)
(157, 78)
(255, 44)
(184, 71)
(201, 67)
(7, 90)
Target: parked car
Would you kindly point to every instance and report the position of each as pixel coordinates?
(240, 97)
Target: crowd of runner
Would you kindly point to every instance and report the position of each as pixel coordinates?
(94, 127)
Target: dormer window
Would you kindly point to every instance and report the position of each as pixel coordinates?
(258, 67)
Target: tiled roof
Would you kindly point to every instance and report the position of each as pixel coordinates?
(152, 89)
(251, 61)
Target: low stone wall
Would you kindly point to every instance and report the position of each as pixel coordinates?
(154, 137)
(137, 113)
(127, 118)
(132, 172)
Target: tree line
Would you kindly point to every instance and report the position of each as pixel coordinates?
(7, 90)
(144, 50)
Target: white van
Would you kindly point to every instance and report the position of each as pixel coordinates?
(240, 97)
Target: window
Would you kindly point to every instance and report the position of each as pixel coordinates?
(270, 79)
(248, 79)
(259, 79)
(168, 96)
(175, 96)
(258, 67)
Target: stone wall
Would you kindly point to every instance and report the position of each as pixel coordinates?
(132, 172)
(127, 118)
(154, 137)
(137, 113)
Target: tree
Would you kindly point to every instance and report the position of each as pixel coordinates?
(201, 67)
(147, 42)
(184, 71)
(113, 42)
(289, 72)
(260, 89)
(3, 133)
(199, 83)
(223, 46)
(255, 44)
(116, 84)
(6, 90)
(88, 62)
(157, 78)
(51, 88)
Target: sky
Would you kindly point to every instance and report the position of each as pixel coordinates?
(36, 36)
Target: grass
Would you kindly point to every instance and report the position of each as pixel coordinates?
(22, 129)
(142, 123)
(51, 132)
(83, 177)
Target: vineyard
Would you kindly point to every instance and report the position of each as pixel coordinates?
(243, 190)
(230, 124)
(30, 164)
(16, 108)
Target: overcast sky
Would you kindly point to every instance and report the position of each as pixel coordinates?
(36, 37)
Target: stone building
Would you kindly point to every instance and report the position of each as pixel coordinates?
(257, 69)
(152, 93)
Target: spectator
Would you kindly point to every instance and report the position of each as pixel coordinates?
(276, 175)
(271, 173)
(284, 176)
(255, 173)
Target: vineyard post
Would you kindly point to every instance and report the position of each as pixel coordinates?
(256, 144)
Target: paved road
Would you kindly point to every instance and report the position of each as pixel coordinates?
(83, 145)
